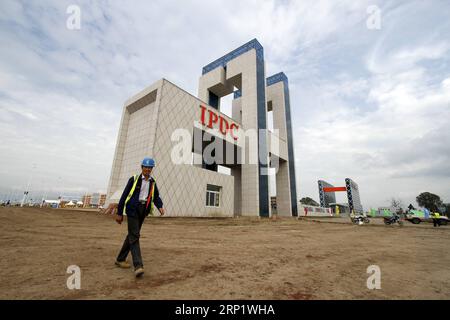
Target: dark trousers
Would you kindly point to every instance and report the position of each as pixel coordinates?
(131, 242)
(436, 222)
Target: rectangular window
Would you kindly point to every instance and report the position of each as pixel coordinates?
(217, 199)
(212, 196)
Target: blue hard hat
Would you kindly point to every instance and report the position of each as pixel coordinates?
(148, 162)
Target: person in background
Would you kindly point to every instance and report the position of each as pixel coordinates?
(436, 219)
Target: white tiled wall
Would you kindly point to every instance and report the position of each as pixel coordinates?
(246, 66)
(183, 186)
(139, 140)
(275, 93)
(147, 132)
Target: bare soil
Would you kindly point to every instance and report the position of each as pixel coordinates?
(235, 258)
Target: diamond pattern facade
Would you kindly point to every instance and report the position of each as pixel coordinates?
(147, 131)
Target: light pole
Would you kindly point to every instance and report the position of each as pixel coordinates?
(25, 193)
(44, 194)
(59, 184)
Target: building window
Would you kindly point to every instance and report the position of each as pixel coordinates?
(212, 195)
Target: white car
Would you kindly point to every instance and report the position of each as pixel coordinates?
(416, 219)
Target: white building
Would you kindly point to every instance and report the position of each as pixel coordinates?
(189, 138)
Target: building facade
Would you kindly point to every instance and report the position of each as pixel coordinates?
(191, 140)
(86, 199)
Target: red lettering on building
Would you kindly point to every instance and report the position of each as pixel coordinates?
(233, 126)
(225, 126)
(212, 118)
(202, 117)
(222, 122)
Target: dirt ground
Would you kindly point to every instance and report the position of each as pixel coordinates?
(239, 258)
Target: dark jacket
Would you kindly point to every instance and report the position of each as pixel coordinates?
(134, 200)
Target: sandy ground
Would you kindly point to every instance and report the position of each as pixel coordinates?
(237, 258)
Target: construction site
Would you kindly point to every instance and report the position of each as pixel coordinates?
(284, 258)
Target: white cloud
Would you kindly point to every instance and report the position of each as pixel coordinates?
(370, 105)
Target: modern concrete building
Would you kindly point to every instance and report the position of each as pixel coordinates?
(191, 139)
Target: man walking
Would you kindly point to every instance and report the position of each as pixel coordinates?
(137, 201)
(436, 219)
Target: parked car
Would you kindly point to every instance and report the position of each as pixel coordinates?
(417, 216)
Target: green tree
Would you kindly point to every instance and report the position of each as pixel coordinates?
(429, 200)
(446, 209)
(308, 201)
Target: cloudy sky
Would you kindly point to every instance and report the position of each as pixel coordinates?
(370, 104)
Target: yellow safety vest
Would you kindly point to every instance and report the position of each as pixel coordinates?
(150, 198)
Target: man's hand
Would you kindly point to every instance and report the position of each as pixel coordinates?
(162, 211)
(118, 219)
(112, 208)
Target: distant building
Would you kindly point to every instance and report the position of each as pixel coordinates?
(94, 200)
(86, 199)
(102, 200)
